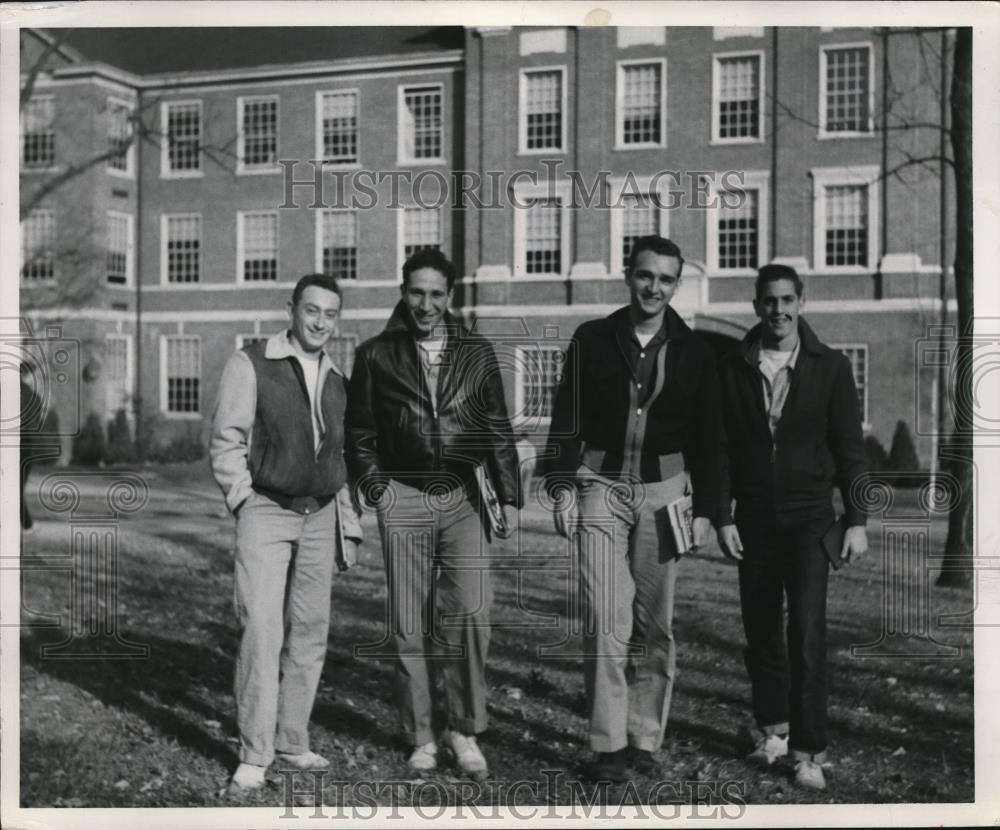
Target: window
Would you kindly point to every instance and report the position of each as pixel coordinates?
(541, 230)
(421, 229)
(341, 350)
(120, 137)
(258, 245)
(119, 250)
(539, 373)
(181, 375)
(182, 149)
(639, 219)
(858, 355)
(737, 92)
(338, 127)
(738, 222)
(38, 237)
(641, 104)
(258, 140)
(181, 255)
(421, 124)
(845, 218)
(542, 105)
(118, 374)
(846, 90)
(38, 137)
(636, 212)
(339, 244)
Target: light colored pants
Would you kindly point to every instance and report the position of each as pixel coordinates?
(284, 565)
(437, 570)
(628, 569)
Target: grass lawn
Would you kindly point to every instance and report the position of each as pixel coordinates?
(159, 731)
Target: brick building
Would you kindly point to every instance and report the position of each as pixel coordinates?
(744, 145)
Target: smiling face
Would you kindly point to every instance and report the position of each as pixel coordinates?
(314, 317)
(778, 306)
(652, 282)
(426, 295)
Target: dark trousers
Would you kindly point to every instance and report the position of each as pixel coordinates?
(783, 558)
(26, 522)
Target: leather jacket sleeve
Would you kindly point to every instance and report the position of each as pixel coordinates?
(361, 449)
(503, 455)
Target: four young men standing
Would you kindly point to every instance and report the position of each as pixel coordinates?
(642, 419)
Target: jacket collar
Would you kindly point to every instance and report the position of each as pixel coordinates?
(673, 326)
(279, 347)
(808, 342)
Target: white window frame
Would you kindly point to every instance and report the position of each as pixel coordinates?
(401, 233)
(824, 177)
(760, 181)
(616, 188)
(563, 194)
(129, 171)
(164, 253)
(320, 155)
(401, 156)
(164, 410)
(318, 248)
(717, 59)
(242, 168)
(241, 216)
(863, 347)
(55, 144)
(129, 374)
(129, 249)
(821, 117)
(522, 115)
(520, 420)
(620, 67)
(26, 282)
(165, 171)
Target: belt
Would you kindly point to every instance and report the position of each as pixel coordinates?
(304, 505)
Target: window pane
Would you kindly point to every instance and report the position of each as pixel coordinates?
(340, 126)
(847, 225)
(38, 137)
(641, 104)
(737, 233)
(117, 253)
(543, 242)
(117, 394)
(183, 374)
(422, 229)
(639, 219)
(847, 90)
(340, 246)
(119, 135)
(260, 132)
(183, 249)
(543, 110)
(260, 246)
(422, 122)
(858, 355)
(184, 136)
(38, 236)
(540, 373)
(739, 97)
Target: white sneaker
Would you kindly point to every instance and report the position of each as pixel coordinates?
(768, 749)
(247, 777)
(305, 761)
(809, 774)
(424, 757)
(468, 755)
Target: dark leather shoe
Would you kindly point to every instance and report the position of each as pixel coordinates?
(643, 762)
(609, 766)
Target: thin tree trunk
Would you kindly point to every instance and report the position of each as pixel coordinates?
(958, 551)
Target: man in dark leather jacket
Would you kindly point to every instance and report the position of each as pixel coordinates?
(426, 406)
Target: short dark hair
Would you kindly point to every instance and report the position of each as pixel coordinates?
(430, 258)
(322, 280)
(658, 245)
(774, 272)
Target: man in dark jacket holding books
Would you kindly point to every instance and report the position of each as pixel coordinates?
(793, 429)
(426, 411)
(635, 428)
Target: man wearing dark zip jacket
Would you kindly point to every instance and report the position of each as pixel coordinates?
(277, 453)
(793, 430)
(635, 422)
(426, 406)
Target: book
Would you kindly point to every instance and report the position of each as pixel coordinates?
(833, 541)
(681, 512)
(490, 502)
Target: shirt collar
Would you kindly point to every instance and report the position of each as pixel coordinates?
(279, 347)
(757, 347)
